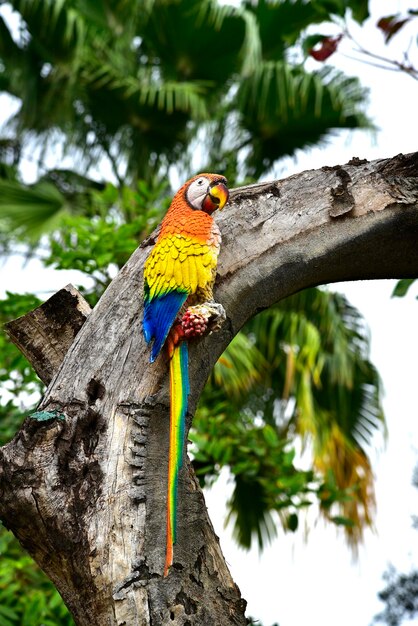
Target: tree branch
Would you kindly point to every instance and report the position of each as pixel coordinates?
(86, 494)
(45, 334)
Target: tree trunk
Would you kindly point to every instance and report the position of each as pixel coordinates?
(83, 483)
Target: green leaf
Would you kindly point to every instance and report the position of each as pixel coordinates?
(331, 7)
(360, 10)
(7, 612)
(30, 209)
(342, 521)
(200, 26)
(281, 23)
(292, 522)
(285, 109)
(270, 435)
(402, 287)
(58, 26)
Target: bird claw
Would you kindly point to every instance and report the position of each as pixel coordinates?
(202, 319)
(217, 316)
(198, 320)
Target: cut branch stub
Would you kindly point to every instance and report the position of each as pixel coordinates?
(45, 334)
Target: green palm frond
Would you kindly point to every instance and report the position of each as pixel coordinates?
(206, 43)
(143, 80)
(117, 16)
(58, 25)
(285, 108)
(210, 13)
(169, 96)
(175, 96)
(42, 69)
(30, 210)
(337, 394)
(8, 47)
(280, 23)
(240, 367)
(330, 344)
(250, 514)
(316, 381)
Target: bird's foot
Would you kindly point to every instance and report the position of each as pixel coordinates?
(198, 320)
(202, 319)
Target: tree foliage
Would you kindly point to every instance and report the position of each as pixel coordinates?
(299, 371)
(27, 596)
(137, 82)
(400, 595)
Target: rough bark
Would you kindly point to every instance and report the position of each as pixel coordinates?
(45, 334)
(82, 485)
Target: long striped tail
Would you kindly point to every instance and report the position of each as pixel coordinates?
(179, 391)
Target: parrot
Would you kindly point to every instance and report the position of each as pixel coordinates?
(179, 275)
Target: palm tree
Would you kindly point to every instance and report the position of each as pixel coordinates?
(135, 82)
(297, 372)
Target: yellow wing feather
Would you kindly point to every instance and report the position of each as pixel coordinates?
(185, 270)
(192, 273)
(178, 261)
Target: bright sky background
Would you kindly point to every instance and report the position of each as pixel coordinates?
(295, 583)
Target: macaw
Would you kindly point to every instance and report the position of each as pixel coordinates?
(179, 274)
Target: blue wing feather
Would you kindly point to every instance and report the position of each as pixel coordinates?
(159, 315)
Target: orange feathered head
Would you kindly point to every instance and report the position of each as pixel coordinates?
(205, 192)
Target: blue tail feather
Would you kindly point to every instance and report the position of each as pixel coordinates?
(159, 316)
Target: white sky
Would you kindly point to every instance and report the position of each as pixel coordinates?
(292, 582)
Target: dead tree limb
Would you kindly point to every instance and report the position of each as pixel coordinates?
(82, 485)
(45, 334)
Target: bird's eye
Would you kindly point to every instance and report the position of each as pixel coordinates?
(200, 181)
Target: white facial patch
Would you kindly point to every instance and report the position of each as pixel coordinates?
(197, 191)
